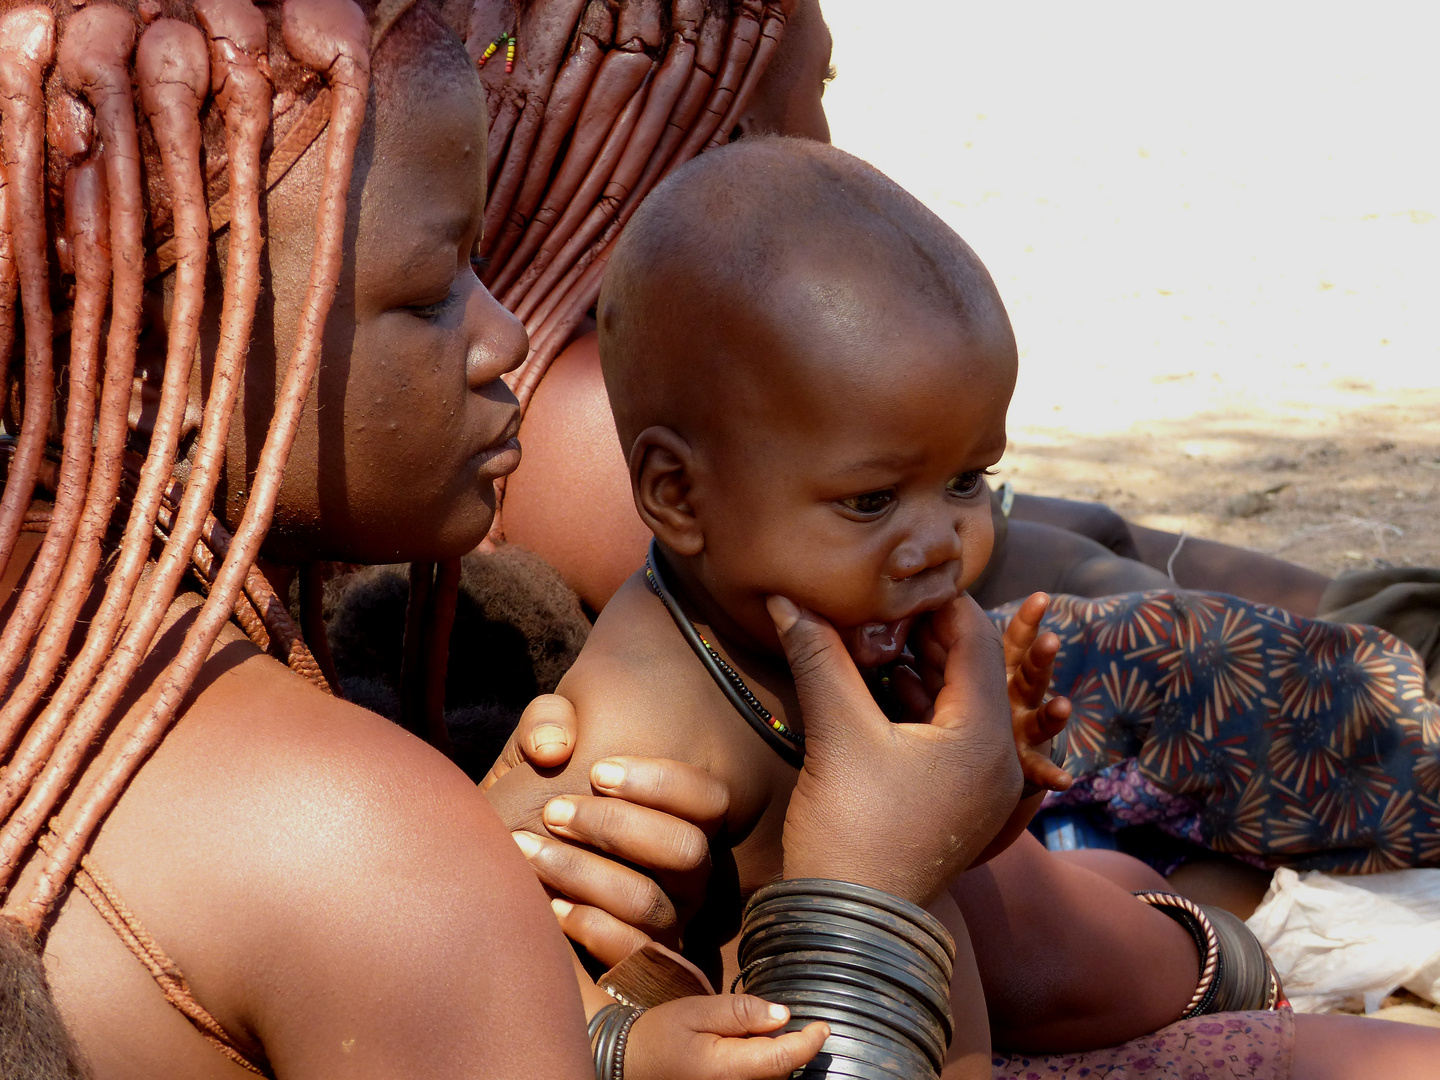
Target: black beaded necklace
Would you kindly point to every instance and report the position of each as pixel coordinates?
(790, 745)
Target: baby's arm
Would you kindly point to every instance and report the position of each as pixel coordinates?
(616, 714)
(637, 693)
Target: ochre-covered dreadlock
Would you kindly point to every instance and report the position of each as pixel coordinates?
(69, 137)
(606, 97)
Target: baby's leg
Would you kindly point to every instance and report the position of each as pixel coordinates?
(1346, 1047)
(1068, 958)
(1090, 519)
(1043, 558)
(1216, 567)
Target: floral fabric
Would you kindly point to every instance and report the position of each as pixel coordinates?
(1250, 730)
(1226, 1046)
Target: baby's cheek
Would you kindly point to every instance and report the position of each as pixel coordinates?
(978, 544)
(847, 590)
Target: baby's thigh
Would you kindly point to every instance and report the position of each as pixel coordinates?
(1329, 1047)
(1068, 958)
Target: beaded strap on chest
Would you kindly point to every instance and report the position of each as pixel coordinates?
(788, 744)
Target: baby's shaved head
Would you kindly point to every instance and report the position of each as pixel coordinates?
(774, 264)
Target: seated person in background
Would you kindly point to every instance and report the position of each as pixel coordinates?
(569, 500)
(817, 428)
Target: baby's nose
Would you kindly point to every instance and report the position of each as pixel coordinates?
(937, 545)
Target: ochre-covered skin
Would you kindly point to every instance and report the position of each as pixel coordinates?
(362, 292)
(570, 499)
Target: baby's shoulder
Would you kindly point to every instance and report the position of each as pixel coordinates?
(636, 678)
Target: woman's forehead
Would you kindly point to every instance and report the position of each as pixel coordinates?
(430, 140)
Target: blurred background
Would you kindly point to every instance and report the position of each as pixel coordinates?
(1217, 231)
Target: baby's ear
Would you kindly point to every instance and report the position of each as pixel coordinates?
(661, 464)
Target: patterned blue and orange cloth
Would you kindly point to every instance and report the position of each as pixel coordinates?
(1248, 730)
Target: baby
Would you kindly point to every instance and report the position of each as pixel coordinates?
(816, 428)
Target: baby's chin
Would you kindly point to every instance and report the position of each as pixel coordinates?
(875, 644)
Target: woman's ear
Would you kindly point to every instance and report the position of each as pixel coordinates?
(661, 474)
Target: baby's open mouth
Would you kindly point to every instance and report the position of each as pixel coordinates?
(876, 644)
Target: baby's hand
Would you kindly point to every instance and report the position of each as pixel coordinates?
(1029, 665)
(718, 1037)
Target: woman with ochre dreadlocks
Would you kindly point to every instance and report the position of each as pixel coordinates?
(218, 289)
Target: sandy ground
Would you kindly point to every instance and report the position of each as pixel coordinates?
(1216, 231)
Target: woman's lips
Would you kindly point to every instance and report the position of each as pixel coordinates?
(876, 644)
(499, 460)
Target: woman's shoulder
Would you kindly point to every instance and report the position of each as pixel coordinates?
(296, 856)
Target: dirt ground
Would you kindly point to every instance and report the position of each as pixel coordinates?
(1223, 288)
(1356, 486)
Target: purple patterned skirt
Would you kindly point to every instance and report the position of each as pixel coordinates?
(1227, 1046)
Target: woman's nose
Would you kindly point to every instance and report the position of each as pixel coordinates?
(498, 342)
(934, 544)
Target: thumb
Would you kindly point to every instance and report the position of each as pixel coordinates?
(546, 735)
(735, 1015)
(974, 664)
(545, 738)
(826, 680)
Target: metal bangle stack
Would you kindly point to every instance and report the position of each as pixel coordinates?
(1236, 974)
(609, 1033)
(874, 967)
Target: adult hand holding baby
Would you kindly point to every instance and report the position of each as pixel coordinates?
(656, 814)
(899, 807)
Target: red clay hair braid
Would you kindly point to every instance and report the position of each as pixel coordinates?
(604, 101)
(206, 48)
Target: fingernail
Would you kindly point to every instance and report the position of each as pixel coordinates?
(785, 613)
(779, 1012)
(528, 843)
(559, 812)
(561, 907)
(547, 736)
(609, 774)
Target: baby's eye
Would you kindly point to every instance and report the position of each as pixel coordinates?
(966, 484)
(869, 504)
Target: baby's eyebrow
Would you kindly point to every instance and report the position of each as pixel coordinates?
(889, 461)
